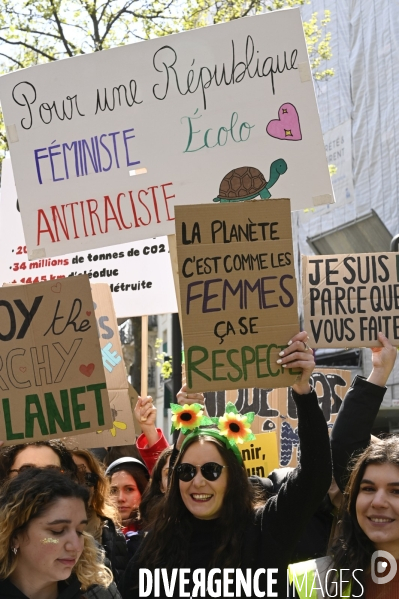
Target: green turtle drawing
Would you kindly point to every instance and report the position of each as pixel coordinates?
(247, 183)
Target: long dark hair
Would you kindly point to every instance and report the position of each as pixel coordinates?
(153, 493)
(9, 453)
(136, 471)
(352, 549)
(100, 500)
(171, 525)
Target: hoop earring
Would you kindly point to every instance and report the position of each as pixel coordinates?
(14, 550)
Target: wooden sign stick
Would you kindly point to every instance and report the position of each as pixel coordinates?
(144, 356)
(175, 270)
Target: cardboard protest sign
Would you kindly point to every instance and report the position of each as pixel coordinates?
(238, 293)
(349, 298)
(139, 274)
(122, 429)
(260, 456)
(102, 153)
(51, 373)
(276, 412)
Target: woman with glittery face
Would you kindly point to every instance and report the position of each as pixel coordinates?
(44, 549)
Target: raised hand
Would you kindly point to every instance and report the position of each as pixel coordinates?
(299, 355)
(183, 397)
(383, 359)
(146, 414)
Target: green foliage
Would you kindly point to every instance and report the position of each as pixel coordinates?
(164, 365)
(37, 31)
(333, 169)
(318, 43)
(199, 13)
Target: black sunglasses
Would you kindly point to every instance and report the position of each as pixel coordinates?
(210, 471)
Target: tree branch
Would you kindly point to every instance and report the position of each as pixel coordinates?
(106, 4)
(133, 13)
(17, 62)
(26, 30)
(61, 30)
(96, 32)
(29, 46)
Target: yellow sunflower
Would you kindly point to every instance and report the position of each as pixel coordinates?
(187, 417)
(235, 427)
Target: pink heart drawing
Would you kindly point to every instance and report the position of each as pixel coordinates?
(22, 368)
(86, 370)
(88, 313)
(287, 125)
(56, 288)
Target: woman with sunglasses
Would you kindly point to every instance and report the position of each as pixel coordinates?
(45, 552)
(102, 513)
(155, 450)
(210, 518)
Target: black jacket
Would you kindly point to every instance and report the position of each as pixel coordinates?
(350, 434)
(69, 589)
(97, 592)
(273, 531)
(114, 544)
(314, 540)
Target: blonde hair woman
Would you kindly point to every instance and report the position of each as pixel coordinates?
(44, 550)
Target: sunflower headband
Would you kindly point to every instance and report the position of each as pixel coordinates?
(231, 429)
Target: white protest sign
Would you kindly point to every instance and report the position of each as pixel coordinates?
(139, 274)
(105, 145)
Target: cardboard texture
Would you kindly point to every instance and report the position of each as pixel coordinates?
(51, 373)
(175, 271)
(133, 397)
(275, 409)
(103, 153)
(260, 456)
(349, 298)
(122, 430)
(139, 274)
(238, 293)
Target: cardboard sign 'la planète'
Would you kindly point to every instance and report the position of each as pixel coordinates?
(52, 381)
(105, 145)
(349, 298)
(238, 293)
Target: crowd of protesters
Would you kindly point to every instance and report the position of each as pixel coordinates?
(74, 528)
